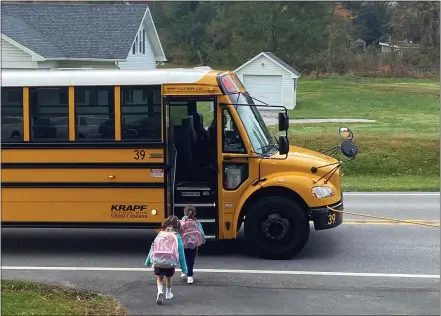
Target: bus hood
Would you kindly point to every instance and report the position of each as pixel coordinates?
(299, 159)
(307, 155)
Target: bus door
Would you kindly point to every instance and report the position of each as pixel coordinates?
(237, 171)
(170, 160)
(192, 158)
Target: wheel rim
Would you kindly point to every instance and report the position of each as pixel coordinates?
(276, 228)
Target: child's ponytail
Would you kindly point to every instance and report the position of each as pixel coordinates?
(190, 212)
(171, 222)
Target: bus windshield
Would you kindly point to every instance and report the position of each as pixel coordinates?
(257, 131)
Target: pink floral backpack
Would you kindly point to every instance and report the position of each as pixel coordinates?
(190, 233)
(165, 252)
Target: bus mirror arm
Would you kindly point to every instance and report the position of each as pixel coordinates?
(347, 147)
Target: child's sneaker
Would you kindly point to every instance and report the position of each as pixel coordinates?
(183, 275)
(160, 298)
(169, 296)
(190, 280)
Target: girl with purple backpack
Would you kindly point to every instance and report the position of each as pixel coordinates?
(166, 252)
(193, 236)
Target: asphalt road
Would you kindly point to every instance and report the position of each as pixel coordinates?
(358, 268)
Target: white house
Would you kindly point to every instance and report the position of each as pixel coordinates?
(270, 80)
(55, 35)
(401, 48)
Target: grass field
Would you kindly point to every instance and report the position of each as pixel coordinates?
(26, 298)
(399, 152)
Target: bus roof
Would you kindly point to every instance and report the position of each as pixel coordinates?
(94, 77)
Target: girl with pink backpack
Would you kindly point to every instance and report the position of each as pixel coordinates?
(166, 252)
(193, 236)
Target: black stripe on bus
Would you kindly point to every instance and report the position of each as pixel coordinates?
(87, 165)
(81, 145)
(83, 184)
(81, 225)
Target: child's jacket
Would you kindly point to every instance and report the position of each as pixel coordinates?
(182, 262)
(199, 225)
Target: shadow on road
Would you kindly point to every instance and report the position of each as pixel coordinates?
(118, 241)
(88, 240)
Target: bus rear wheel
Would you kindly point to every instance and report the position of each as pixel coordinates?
(276, 228)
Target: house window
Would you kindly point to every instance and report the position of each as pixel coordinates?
(94, 113)
(143, 41)
(12, 115)
(49, 113)
(140, 115)
(139, 44)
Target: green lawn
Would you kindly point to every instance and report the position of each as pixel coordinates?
(400, 152)
(26, 298)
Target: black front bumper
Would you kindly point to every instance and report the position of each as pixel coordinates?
(324, 218)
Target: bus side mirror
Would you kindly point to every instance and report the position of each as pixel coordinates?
(283, 121)
(283, 145)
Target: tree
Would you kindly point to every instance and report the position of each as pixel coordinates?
(340, 35)
(311, 36)
(371, 19)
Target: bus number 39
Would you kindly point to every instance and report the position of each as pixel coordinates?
(139, 154)
(331, 219)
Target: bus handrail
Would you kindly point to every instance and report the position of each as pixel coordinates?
(175, 153)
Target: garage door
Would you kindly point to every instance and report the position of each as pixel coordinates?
(265, 88)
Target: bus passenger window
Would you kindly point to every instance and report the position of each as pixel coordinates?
(94, 113)
(141, 113)
(12, 115)
(231, 140)
(49, 112)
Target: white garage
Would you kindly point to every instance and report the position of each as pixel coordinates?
(270, 80)
(265, 88)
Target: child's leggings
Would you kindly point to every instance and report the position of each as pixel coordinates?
(190, 255)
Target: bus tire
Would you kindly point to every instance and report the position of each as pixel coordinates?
(276, 227)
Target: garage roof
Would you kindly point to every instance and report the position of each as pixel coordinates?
(276, 60)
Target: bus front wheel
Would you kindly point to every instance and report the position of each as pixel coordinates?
(276, 228)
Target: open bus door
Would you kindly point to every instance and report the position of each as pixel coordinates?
(170, 156)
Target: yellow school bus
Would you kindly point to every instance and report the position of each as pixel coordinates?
(127, 148)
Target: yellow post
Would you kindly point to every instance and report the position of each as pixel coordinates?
(72, 126)
(26, 116)
(117, 113)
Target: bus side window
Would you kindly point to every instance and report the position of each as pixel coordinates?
(49, 112)
(12, 115)
(140, 113)
(94, 113)
(231, 140)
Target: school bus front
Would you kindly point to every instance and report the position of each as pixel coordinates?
(273, 188)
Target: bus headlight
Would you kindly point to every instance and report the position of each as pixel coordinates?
(322, 192)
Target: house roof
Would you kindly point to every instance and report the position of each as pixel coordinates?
(404, 45)
(77, 31)
(276, 60)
